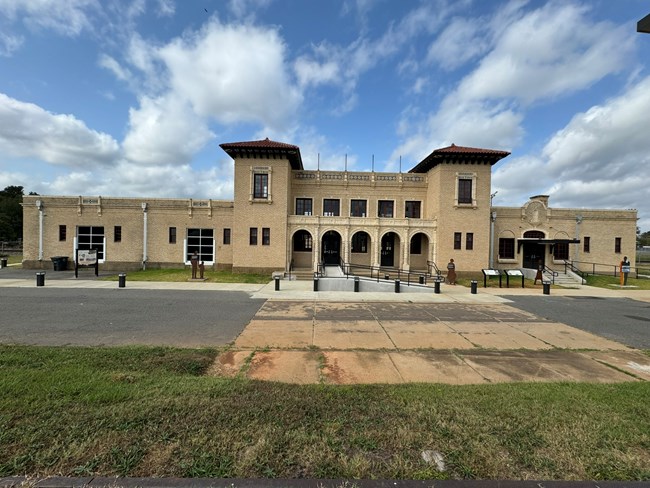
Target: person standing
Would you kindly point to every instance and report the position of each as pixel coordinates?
(625, 270)
(451, 272)
(195, 264)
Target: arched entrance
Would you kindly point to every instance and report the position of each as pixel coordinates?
(534, 252)
(388, 243)
(360, 249)
(418, 251)
(301, 256)
(331, 248)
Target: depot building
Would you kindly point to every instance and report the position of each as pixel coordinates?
(288, 219)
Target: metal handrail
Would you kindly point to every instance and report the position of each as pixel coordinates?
(610, 269)
(569, 265)
(431, 264)
(553, 273)
(376, 272)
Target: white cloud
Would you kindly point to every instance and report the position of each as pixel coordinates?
(108, 62)
(233, 73)
(9, 44)
(462, 40)
(164, 131)
(26, 130)
(69, 18)
(166, 8)
(551, 51)
(246, 8)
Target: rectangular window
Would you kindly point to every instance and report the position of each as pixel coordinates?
(469, 241)
(561, 251)
(331, 207)
(617, 245)
(385, 208)
(416, 244)
(201, 241)
(358, 208)
(464, 190)
(412, 210)
(172, 235)
(586, 244)
(261, 185)
(117, 233)
(266, 236)
(89, 237)
(457, 239)
(252, 237)
(63, 233)
(360, 242)
(226, 236)
(303, 206)
(506, 248)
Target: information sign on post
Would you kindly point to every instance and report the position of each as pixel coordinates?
(513, 272)
(490, 272)
(86, 258)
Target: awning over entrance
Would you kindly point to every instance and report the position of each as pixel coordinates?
(552, 242)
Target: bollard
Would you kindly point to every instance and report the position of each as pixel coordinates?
(277, 283)
(356, 284)
(3, 263)
(40, 278)
(315, 284)
(474, 286)
(436, 287)
(122, 280)
(396, 286)
(422, 279)
(547, 287)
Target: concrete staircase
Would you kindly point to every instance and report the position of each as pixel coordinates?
(302, 274)
(564, 279)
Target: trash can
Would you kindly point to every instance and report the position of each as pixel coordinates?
(277, 283)
(396, 286)
(40, 278)
(436, 287)
(387, 277)
(356, 284)
(3, 262)
(122, 280)
(60, 263)
(422, 279)
(547, 287)
(474, 287)
(315, 283)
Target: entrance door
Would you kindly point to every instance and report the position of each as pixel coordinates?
(331, 248)
(388, 250)
(533, 255)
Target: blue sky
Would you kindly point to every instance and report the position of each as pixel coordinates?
(133, 97)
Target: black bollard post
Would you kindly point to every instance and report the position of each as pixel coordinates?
(547, 287)
(122, 280)
(474, 286)
(422, 279)
(277, 283)
(396, 286)
(356, 284)
(315, 283)
(40, 278)
(436, 287)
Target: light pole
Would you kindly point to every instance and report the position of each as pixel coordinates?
(493, 217)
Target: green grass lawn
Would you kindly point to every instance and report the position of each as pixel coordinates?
(154, 412)
(184, 274)
(612, 282)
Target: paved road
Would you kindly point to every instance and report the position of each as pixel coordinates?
(619, 319)
(62, 316)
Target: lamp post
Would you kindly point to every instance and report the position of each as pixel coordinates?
(493, 217)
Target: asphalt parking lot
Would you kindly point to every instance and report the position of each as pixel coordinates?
(111, 317)
(619, 319)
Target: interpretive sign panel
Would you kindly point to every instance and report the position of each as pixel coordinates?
(86, 258)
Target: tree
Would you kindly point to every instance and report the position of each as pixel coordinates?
(643, 238)
(11, 213)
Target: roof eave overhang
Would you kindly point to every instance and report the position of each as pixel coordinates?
(293, 155)
(435, 159)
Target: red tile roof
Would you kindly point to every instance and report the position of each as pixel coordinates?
(459, 154)
(264, 148)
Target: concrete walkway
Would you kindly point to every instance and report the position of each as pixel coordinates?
(337, 337)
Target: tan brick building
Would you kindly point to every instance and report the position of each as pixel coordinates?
(286, 218)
